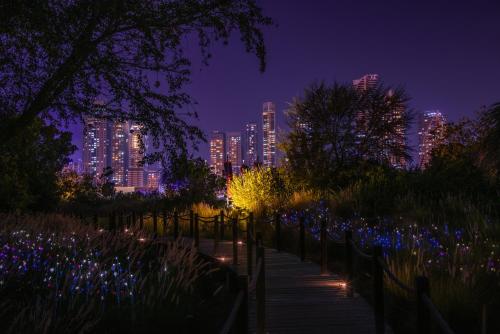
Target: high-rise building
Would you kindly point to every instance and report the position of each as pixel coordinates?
(75, 166)
(153, 179)
(431, 133)
(251, 144)
(217, 152)
(119, 150)
(135, 157)
(234, 152)
(368, 82)
(398, 138)
(269, 134)
(95, 145)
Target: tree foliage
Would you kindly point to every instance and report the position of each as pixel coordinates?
(336, 128)
(464, 163)
(193, 181)
(59, 57)
(29, 164)
(259, 190)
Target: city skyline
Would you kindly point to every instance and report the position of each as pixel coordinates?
(441, 62)
(116, 145)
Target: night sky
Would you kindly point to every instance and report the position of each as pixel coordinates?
(446, 54)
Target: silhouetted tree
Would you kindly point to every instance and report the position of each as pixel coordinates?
(490, 123)
(58, 57)
(336, 129)
(29, 164)
(193, 180)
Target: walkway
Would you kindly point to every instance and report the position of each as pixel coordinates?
(298, 298)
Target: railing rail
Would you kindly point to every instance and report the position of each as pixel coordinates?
(254, 281)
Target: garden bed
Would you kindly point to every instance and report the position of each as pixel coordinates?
(57, 276)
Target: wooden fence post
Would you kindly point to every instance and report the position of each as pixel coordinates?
(120, 220)
(423, 313)
(176, 224)
(242, 318)
(191, 223)
(235, 241)
(164, 223)
(324, 248)
(484, 319)
(302, 238)
(348, 256)
(196, 231)
(155, 223)
(111, 221)
(277, 223)
(216, 234)
(378, 290)
(260, 289)
(222, 226)
(249, 245)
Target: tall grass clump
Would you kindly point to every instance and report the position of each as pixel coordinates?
(58, 276)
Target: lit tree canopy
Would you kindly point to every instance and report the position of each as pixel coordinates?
(59, 57)
(334, 128)
(259, 189)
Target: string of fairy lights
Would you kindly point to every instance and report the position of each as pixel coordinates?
(65, 267)
(436, 246)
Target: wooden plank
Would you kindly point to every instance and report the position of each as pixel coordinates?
(298, 298)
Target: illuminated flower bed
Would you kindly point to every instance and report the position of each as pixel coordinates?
(58, 276)
(436, 244)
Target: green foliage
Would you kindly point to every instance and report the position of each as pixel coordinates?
(84, 191)
(193, 181)
(59, 56)
(29, 162)
(335, 129)
(259, 190)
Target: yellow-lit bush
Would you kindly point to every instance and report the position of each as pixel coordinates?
(259, 190)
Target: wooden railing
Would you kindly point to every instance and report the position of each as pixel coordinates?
(237, 321)
(427, 313)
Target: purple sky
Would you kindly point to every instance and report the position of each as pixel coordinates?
(445, 53)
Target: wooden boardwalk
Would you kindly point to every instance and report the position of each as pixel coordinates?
(298, 298)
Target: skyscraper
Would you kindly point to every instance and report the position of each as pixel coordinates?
(234, 151)
(398, 138)
(368, 82)
(135, 154)
(153, 179)
(217, 152)
(118, 139)
(95, 145)
(431, 134)
(251, 144)
(269, 134)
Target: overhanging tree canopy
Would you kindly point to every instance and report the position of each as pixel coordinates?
(58, 57)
